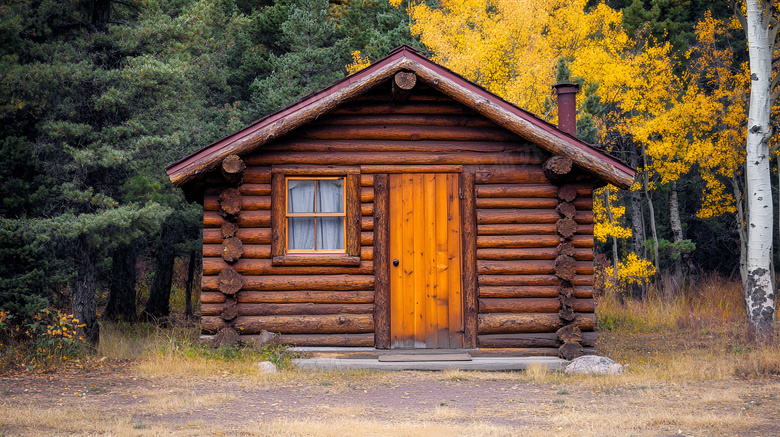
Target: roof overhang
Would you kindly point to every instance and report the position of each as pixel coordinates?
(308, 109)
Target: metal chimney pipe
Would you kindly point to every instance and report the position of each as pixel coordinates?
(567, 106)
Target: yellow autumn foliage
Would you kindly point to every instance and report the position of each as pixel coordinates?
(604, 227)
(634, 270)
(358, 62)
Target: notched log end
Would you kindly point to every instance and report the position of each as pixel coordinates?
(557, 167)
(230, 203)
(229, 281)
(233, 169)
(232, 249)
(567, 193)
(225, 337)
(570, 351)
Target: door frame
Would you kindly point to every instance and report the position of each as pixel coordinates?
(382, 260)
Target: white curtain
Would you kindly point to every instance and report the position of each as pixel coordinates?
(330, 230)
(300, 198)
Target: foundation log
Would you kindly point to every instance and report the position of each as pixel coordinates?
(519, 340)
(325, 340)
(304, 324)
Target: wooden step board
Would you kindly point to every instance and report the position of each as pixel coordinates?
(424, 356)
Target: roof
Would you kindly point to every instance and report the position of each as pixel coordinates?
(501, 112)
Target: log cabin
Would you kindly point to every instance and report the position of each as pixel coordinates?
(402, 207)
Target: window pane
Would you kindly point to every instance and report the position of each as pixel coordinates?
(330, 233)
(300, 196)
(301, 233)
(330, 195)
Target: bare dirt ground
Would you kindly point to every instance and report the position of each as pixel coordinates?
(119, 400)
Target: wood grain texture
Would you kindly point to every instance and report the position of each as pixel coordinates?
(258, 267)
(509, 323)
(299, 282)
(381, 262)
(340, 297)
(470, 284)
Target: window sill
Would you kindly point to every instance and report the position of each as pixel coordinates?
(316, 260)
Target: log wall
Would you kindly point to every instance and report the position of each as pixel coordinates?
(511, 298)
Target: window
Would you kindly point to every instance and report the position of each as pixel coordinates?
(315, 215)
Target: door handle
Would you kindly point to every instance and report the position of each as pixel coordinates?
(395, 262)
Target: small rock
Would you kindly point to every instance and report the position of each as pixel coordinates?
(266, 338)
(266, 367)
(594, 364)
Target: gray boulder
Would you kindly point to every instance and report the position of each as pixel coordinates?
(594, 364)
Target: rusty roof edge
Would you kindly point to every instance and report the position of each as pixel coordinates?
(530, 126)
(268, 128)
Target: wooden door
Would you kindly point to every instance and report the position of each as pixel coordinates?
(426, 303)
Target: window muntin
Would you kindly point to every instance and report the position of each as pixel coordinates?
(315, 215)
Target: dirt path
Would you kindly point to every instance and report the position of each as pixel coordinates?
(119, 402)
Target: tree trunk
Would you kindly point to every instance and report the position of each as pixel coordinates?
(83, 299)
(652, 211)
(741, 220)
(158, 306)
(759, 293)
(121, 293)
(191, 271)
(611, 218)
(637, 218)
(677, 231)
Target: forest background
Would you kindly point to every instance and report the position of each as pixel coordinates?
(98, 96)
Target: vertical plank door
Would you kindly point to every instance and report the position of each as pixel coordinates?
(426, 302)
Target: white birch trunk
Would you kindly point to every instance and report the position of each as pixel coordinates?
(759, 293)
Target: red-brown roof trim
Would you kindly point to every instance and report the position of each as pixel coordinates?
(404, 57)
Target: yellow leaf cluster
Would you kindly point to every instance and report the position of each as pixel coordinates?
(604, 227)
(358, 62)
(634, 270)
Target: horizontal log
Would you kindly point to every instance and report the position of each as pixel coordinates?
(518, 280)
(245, 190)
(515, 352)
(517, 202)
(411, 169)
(257, 175)
(517, 241)
(306, 296)
(526, 267)
(366, 209)
(527, 229)
(255, 251)
(539, 216)
(511, 323)
(247, 235)
(527, 174)
(256, 267)
(303, 324)
(296, 169)
(541, 339)
(409, 107)
(537, 291)
(211, 297)
(246, 219)
(299, 144)
(520, 159)
(367, 224)
(530, 241)
(248, 203)
(341, 259)
(526, 190)
(550, 253)
(367, 195)
(299, 282)
(407, 133)
(532, 305)
(408, 119)
(366, 238)
(327, 340)
(366, 252)
(366, 180)
(265, 309)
